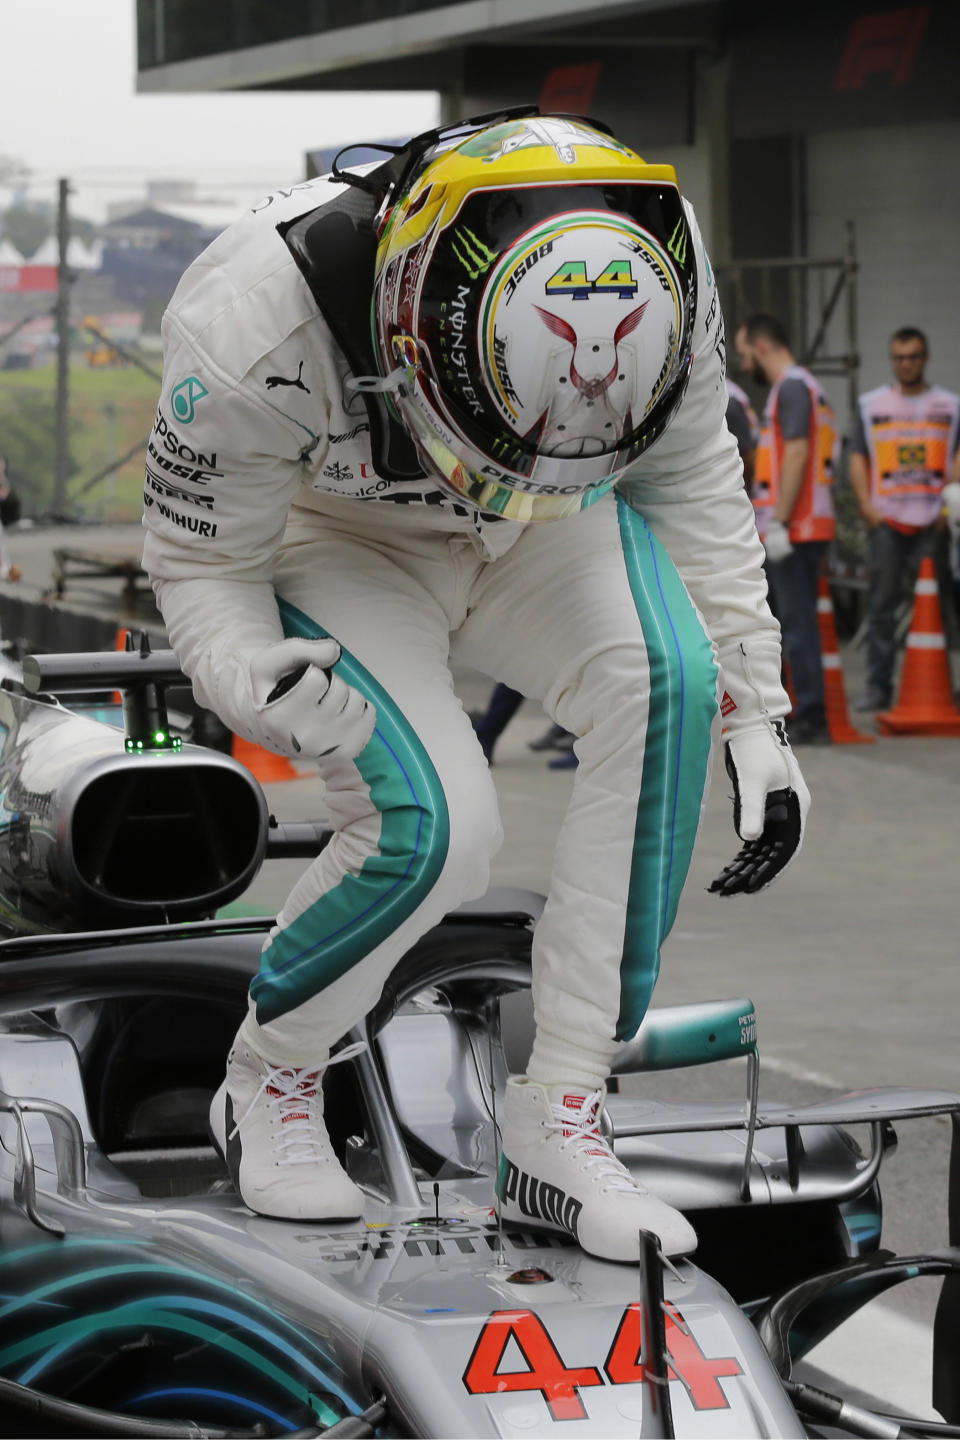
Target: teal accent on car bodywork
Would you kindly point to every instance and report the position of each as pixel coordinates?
(72, 1299)
(675, 1036)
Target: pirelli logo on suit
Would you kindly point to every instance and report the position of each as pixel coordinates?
(161, 486)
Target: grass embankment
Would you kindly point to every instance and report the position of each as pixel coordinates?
(111, 410)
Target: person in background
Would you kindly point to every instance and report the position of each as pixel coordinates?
(904, 442)
(744, 426)
(489, 724)
(951, 515)
(793, 501)
(503, 704)
(556, 738)
(9, 515)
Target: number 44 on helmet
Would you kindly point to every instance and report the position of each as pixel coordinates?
(535, 289)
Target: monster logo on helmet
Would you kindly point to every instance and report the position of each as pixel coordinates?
(533, 280)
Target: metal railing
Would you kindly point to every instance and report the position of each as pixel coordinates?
(815, 297)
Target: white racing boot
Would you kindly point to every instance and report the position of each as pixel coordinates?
(267, 1123)
(558, 1171)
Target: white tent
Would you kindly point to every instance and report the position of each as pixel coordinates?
(79, 256)
(48, 253)
(9, 254)
(84, 257)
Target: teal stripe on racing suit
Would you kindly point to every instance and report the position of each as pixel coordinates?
(683, 706)
(348, 922)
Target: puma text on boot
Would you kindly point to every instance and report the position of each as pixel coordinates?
(557, 1170)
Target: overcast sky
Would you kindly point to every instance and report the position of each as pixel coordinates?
(69, 107)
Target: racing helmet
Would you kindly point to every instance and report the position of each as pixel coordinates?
(535, 288)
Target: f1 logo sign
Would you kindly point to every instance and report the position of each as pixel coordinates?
(569, 88)
(885, 42)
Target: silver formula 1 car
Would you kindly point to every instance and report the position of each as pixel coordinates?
(139, 1296)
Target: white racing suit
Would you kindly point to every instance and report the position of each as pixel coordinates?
(265, 518)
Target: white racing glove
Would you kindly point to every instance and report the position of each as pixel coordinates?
(770, 804)
(950, 496)
(302, 707)
(777, 542)
(951, 507)
(770, 799)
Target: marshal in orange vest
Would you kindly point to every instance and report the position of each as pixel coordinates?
(812, 517)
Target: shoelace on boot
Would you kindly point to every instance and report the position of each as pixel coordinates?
(302, 1135)
(582, 1134)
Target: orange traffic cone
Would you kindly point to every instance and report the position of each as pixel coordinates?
(842, 732)
(119, 643)
(263, 764)
(926, 705)
(787, 677)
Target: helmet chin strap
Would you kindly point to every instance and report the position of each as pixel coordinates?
(393, 382)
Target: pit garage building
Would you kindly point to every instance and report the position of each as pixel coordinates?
(820, 142)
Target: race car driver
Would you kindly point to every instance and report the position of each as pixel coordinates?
(467, 406)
